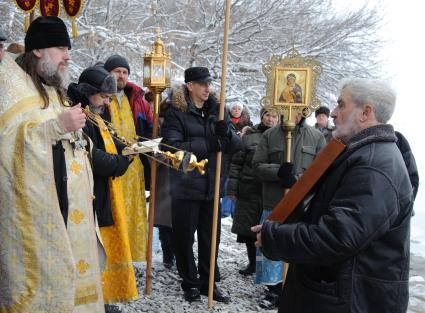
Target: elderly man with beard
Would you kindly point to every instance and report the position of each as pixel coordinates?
(350, 250)
(94, 90)
(49, 260)
(131, 115)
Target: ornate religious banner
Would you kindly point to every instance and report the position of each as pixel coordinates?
(28, 7)
(73, 9)
(291, 84)
(49, 7)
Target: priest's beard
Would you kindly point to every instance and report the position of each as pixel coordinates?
(97, 109)
(54, 75)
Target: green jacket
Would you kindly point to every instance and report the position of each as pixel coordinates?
(244, 184)
(270, 154)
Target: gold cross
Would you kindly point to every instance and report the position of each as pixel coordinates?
(49, 226)
(75, 167)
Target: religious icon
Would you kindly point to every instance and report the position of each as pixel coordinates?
(291, 85)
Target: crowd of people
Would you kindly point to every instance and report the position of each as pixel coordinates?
(73, 216)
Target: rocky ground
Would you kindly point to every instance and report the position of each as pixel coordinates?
(168, 297)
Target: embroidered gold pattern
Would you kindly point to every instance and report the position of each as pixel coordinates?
(76, 216)
(82, 266)
(86, 294)
(75, 167)
(49, 226)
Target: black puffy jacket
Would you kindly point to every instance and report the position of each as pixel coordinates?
(188, 129)
(350, 252)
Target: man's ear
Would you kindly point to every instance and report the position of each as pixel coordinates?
(367, 112)
(37, 53)
(189, 86)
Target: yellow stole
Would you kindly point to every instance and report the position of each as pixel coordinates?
(119, 282)
(133, 182)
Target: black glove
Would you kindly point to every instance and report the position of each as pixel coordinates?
(221, 129)
(285, 174)
(214, 144)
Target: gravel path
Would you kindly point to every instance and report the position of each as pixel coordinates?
(168, 297)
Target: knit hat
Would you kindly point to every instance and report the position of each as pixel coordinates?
(46, 32)
(236, 104)
(95, 79)
(322, 110)
(197, 74)
(115, 61)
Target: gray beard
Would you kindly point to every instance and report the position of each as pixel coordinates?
(96, 110)
(52, 75)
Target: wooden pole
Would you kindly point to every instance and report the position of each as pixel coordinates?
(218, 164)
(148, 287)
(289, 126)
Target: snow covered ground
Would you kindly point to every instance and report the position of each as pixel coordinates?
(168, 297)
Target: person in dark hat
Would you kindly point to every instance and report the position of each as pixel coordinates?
(52, 190)
(94, 89)
(3, 38)
(191, 124)
(132, 116)
(323, 123)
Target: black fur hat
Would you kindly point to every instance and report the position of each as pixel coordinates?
(45, 32)
(95, 79)
(197, 74)
(322, 110)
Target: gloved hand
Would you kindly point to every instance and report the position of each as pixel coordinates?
(286, 175)
(214, 144)
(221, 129)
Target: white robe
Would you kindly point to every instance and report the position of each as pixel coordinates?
(44, 266)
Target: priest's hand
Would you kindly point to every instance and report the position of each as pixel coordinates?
(257, 229)
(73, 118)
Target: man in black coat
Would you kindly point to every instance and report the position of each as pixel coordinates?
(350, 251)
(191, 124)
(94, 89)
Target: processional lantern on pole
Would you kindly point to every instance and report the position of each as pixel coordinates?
(157, 77)
(291, 91)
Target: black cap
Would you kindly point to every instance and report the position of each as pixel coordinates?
(115, 61)
(45, 32)
(197, 74)
(2, 36)
(95, 79)
(322, 110)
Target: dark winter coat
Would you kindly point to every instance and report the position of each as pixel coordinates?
(244, 185)
(326, 131)
(185, 128)
(410, 162)
(270, 154)
(105, 165)
(350, 252)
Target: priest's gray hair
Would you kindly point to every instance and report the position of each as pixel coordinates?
(377, 93)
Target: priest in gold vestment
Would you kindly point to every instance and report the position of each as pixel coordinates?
(126, 108)
(49, 259)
